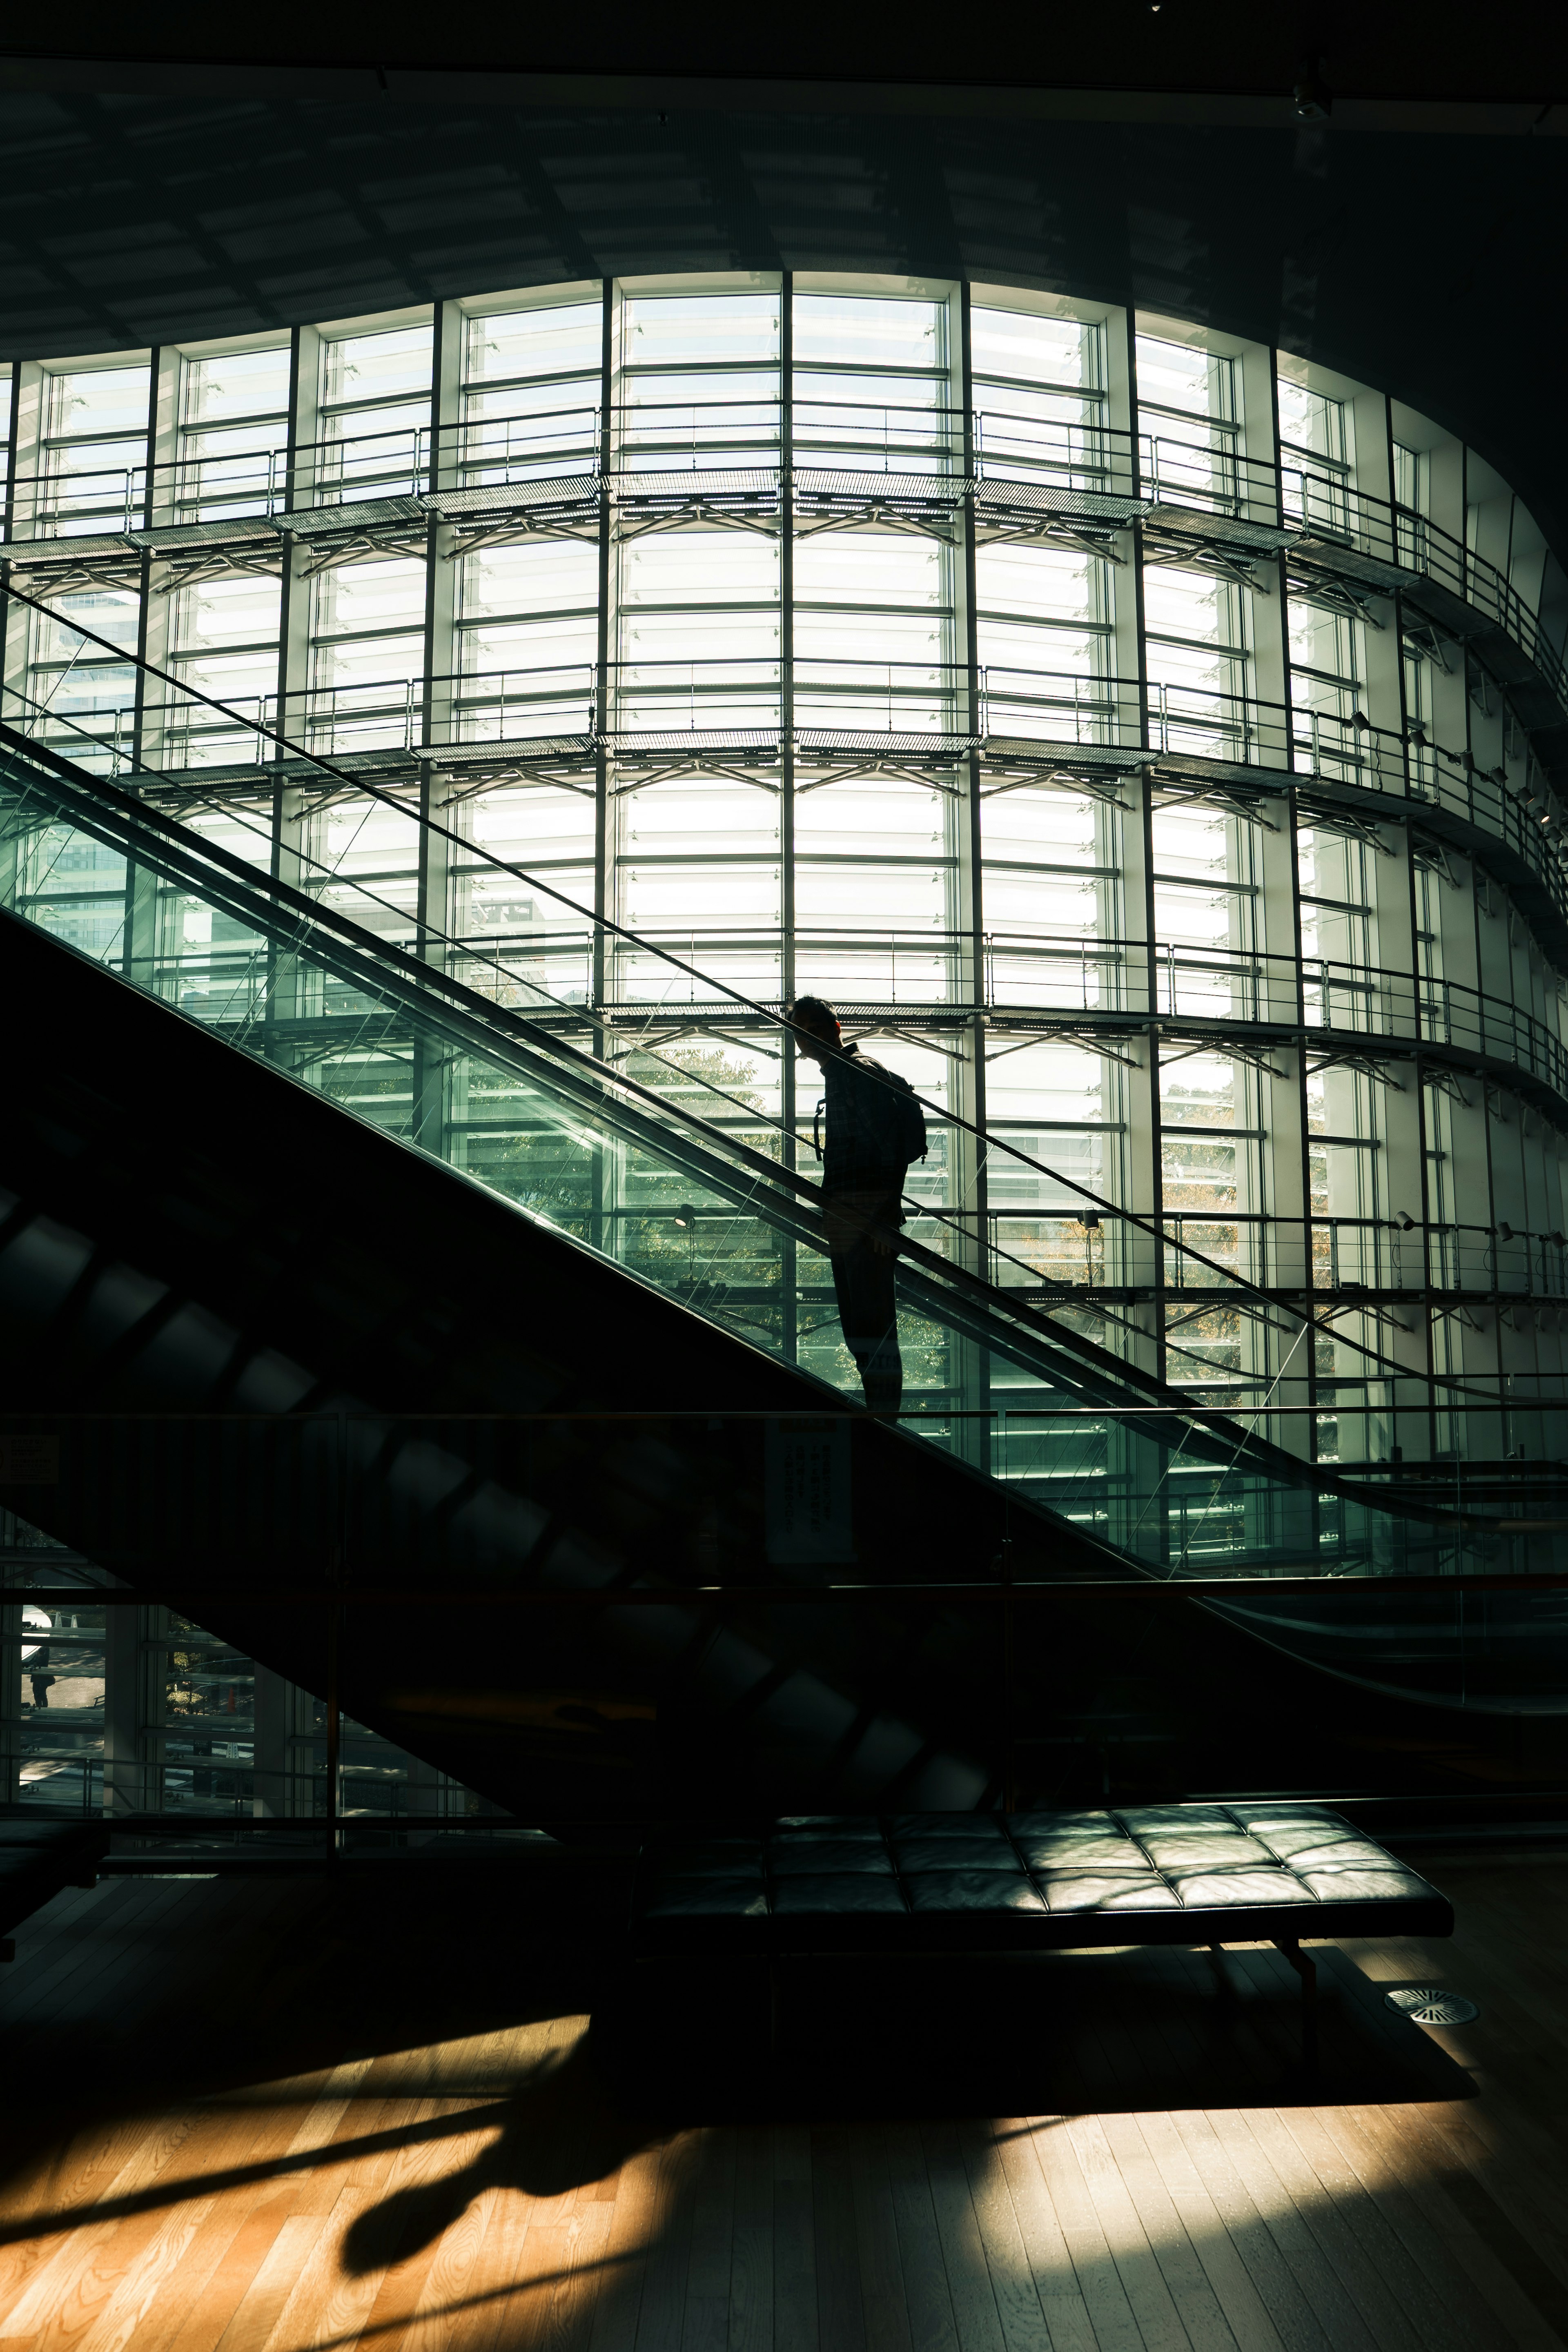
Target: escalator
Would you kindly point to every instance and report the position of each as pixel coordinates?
(369, 1374)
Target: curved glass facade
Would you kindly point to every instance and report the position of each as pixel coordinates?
(1143, 735)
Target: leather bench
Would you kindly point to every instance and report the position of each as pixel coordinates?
(1195, 1874)
(36, 1860)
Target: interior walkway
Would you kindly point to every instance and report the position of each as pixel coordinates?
(274, 2113)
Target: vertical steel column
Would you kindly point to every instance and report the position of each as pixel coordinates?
(272, 1707)
(1139, 1481)
(976, 1224)
(431, 1066)
(132, 1782)
(138, 939)
(11, 843)
(293, 655)
(598, 975)
(11, 1720)
(1144, 1259)
(789, 1271)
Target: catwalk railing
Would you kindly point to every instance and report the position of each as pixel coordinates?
(1070, 473)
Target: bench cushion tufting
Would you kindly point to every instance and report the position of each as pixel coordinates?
(944, 1882)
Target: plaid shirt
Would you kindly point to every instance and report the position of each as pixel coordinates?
(859, 1154)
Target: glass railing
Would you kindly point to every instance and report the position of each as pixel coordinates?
(582, 967)
(329, 978)
(392, 1675)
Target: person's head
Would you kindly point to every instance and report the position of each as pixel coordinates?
(816, 1026)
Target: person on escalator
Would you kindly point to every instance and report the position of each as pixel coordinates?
(874, 1130)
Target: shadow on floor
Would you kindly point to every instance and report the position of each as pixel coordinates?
(1099, 2033)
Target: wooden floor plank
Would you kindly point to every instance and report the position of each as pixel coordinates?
(1094, 2265)
(1055, 2279)
(1023, 2323)
(969, 2282)
(1221, 2146)
(794, 2242)
(1142, 2274)
(884, 2307)
(705, 2321)
(928, 2298)
(750, 2326)
(1262, 2308)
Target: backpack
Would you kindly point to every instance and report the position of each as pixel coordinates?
(905, 1120)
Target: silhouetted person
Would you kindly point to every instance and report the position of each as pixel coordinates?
(874, 1128)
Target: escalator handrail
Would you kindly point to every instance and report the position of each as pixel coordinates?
(417, 983)
(1241, 1288)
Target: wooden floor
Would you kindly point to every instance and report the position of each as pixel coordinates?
(266, 2115)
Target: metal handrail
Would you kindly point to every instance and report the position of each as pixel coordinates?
(1007, 713)
(1317, 508)
(1260, 1300)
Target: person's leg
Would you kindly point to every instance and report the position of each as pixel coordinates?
(864, 1281)
(882, 1369)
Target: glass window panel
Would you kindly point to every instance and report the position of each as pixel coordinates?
(699, 567)
(534, 400)
(1020, 644)
(241, 609)
(370, 367)
(869, 568)
(89, 401)
(1045, 1082)
(856, 898)
(1041, 582)
(228, 677)
(1198, 918)
(662, 329)
(681, 394)
(521, 420)
(696, 814)
(852, 636)
(232, 472)
(701, 638)
(103, 611)
(1309, 420)
(545, 341)
(389, 661)
(864, 330)
(1200, 1090)
(1039, 902)
(1191, 604)
(553, 575)
(1054, 827)
(819, 396)
(677, 898)
(540, 823)
(368, 441)
(235, 383)
(376, 595)
(357, 836)
(1039, 351)
(1173, 376)
(869, 819)
(1191, 841)
(1323, 640)
(571, 640)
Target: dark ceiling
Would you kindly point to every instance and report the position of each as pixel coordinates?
(1415, 238)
